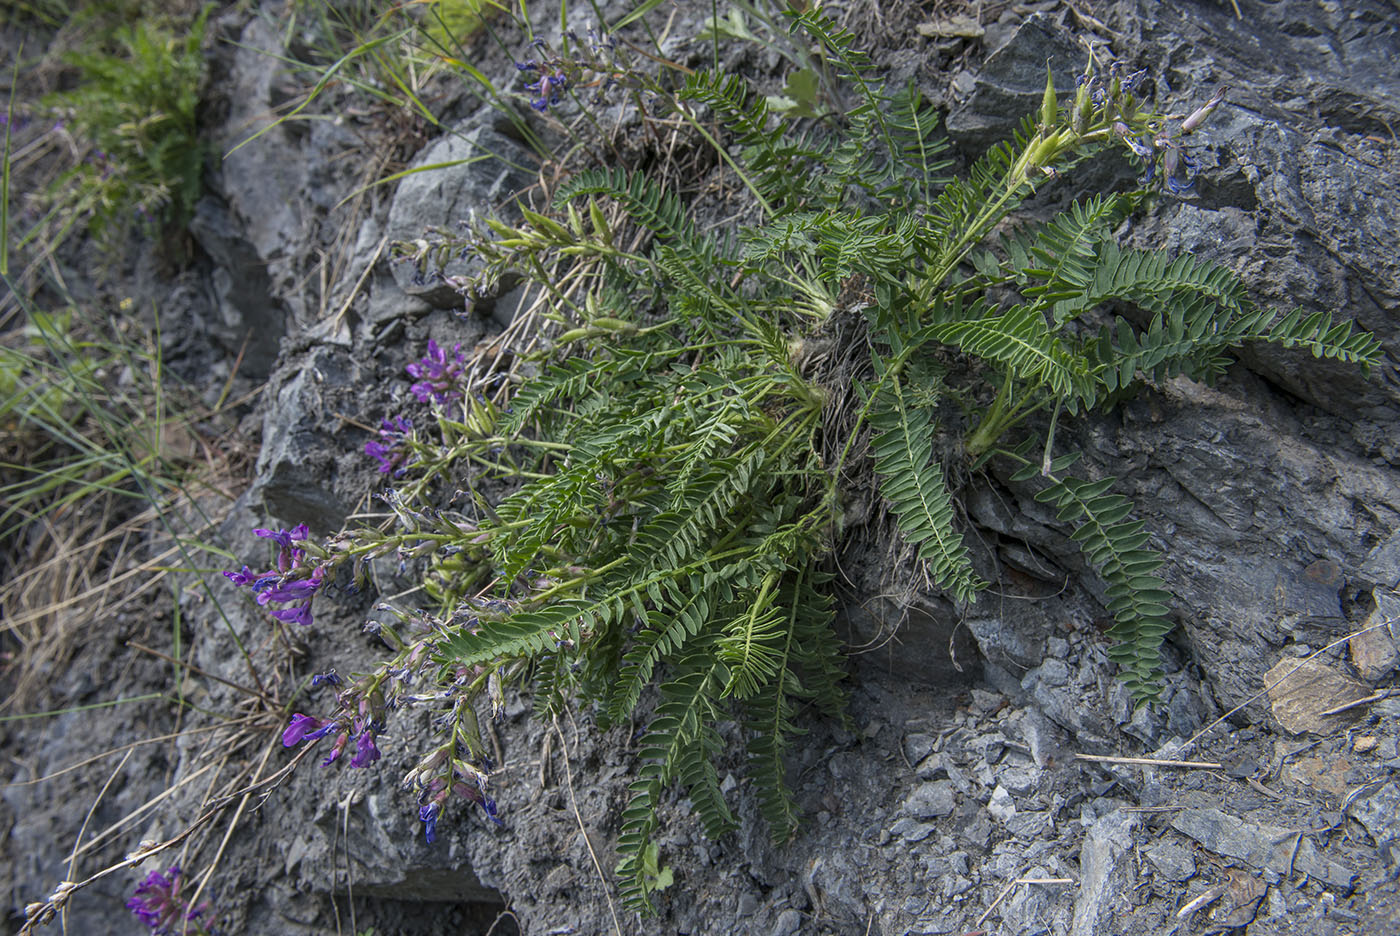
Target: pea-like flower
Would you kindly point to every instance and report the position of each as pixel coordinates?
(439, 377)
(246, 576)
(284, 538)
(428, 815)
(157, 903)
(365, 751)
(306, 728)
(392, 449)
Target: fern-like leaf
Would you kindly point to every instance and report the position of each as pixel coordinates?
(1117, 546)
(676, 617)
(1021, 340)
(680, 744)
(915, 489)
(650, 205)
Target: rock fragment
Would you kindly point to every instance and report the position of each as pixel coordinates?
(1104, 874)
(1303, 690)
(1269, 848)
(1373, 651)
(932, 800)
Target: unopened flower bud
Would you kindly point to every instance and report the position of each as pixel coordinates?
(1201, 113)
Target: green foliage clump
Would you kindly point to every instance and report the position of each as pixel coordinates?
(679, 459)
(133, 112)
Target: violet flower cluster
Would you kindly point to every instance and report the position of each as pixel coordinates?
(439, 375)
(457, 768)
(363, 728)
(464, 780)
(292, 581)
(393, 451)
(549, 85)
(552, 74)
(157, 903)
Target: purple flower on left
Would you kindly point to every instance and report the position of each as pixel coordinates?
(306, 728)
(392, 449)
(157, 903)
(281, 584)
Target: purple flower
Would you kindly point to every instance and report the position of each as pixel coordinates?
(393, 454)
(438, 375)
(284, 538)
(365, 751)
(300, 615)
(548, 90)
(325, 679)
(489, 805)
(157, 904)
(306, 728)
(243, 577)
(154, 902)
(291, 591)
(428, 815)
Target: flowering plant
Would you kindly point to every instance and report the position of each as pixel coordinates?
(674, 486)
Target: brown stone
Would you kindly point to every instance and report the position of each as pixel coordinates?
(1373, 650)
(1303, 690)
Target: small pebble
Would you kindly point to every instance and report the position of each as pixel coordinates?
(1365, 744)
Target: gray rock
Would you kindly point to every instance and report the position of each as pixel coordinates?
(910, 830)
(932, 800)
(984, 702)
(917, 747)
(1171, 861)
(1028, 825)
(1382, 565)
(1019, 780)
(296, 465)
(1104, 874)
(264, 179)
(1012, 80)
(482, 172)
(1308, 601)
(789, 922)
(1379, 812)
(1266, 847)
(1001, 807)
(978, 831)
(243, 287)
